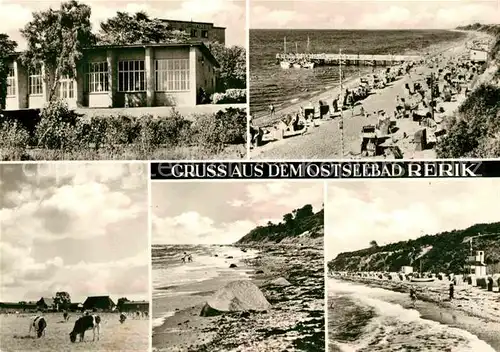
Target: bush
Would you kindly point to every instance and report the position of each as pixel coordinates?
(58, 128)
(215, 131)
(477, 121)
(13, 141)
(231, 96)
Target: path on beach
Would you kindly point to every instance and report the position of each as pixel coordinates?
(324, 141)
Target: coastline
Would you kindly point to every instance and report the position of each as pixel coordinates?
(325, 140)
(472, 309)
(327, 94)
(296, 317)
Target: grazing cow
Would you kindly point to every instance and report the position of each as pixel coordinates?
(82, 324)
(39, 324)
(122, 318)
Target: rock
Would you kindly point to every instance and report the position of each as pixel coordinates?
(233, 266)
(234, 297)
(245, 315)
(259, 272)
(216, 255)
(281, 281)
(229, 257)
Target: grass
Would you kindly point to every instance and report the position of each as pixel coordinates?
(133, 335)
(63, 134)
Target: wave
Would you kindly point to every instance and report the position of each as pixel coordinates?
(159, 321)
(392, 326)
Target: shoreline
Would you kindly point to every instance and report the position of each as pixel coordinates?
(473, 310)
(432, 50)
(295, 318)
(328, 140)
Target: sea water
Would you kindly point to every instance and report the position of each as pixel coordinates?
(369, 319)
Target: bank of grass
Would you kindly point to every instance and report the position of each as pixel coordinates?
(61, 134)
(474, 130)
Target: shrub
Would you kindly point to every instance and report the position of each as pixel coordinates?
(58, 128)
(217, 130)
(172, 130)
(231, 96)
(478, 120)
(13, 140)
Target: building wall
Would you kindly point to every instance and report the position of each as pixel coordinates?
(201, 75)
(218, 34)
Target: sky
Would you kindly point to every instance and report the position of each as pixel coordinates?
(221, 212)
(359, 212)
(14, 14)
(79, 228)
(373, 14)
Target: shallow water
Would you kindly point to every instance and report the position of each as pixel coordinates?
(373, 319)
(272, 85)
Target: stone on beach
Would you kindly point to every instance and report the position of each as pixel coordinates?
(233, 266)
(280, 281)
(235, 296)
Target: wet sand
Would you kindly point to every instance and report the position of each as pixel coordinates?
(295, 321)
(472, 309)
(324, 141)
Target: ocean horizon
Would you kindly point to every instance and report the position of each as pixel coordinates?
(269, 84)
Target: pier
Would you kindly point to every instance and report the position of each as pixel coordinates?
(349, 59)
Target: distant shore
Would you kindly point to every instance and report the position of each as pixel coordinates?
(325, 141)
(472, 309)
(295, 308)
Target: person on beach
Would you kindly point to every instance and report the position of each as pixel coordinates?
(189, 258)
(413, 296)
(272, 110)
(452, 291)
(184, 257)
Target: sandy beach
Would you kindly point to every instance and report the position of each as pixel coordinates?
(324, 141)
(473, 310)
(295, 320)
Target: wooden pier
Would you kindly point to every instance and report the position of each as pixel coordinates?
(349, 59)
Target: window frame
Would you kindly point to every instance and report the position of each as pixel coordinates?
(37, 76)
(97, 73)
(174, 73)
(11, 82)
(135, 74)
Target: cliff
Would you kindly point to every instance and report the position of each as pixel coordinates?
(444, 252)
(302, 226)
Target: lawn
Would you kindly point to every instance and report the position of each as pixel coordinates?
(133, 335)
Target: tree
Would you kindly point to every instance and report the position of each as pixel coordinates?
(288, 218)
(233, 65)
(304, 212)
(56, 39)
(138, 28)
(119, 303)
(62, 300)
(7, 48)
(373, 244)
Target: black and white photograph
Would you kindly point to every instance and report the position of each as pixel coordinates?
(123, 80)
(374, 79)
(74, 257)
(413, 265)
(238, 266)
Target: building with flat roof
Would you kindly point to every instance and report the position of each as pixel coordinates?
(204, 31)
(111, 76)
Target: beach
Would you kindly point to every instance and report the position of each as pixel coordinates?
(325, 140)
(295, 320)
(377, 315)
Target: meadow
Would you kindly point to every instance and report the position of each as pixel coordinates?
(133, 335)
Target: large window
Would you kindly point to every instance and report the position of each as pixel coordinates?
(66, 88)
(131, 76)
(11, 82)
(172, 75)
(97, 77)
(36, 82)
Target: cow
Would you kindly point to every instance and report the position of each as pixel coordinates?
(65, 316)
(39, 325)
(82, 324)
(122, 318)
